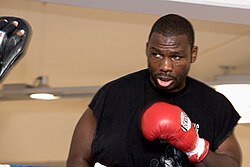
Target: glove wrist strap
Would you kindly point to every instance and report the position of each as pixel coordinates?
(200, 151)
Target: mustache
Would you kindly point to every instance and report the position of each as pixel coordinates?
(164, 75)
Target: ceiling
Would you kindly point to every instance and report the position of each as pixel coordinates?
(214, 10)
(222, 34)
(228, 19)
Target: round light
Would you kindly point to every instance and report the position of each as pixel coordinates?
(43, 96)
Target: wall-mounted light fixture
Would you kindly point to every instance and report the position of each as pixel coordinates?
(41, 90)
(42, 83)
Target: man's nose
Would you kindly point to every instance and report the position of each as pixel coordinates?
(166, 64)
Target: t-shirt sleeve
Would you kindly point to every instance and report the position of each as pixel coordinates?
(226, 119)
(98, 100)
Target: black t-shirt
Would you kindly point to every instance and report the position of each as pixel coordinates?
(118, 107)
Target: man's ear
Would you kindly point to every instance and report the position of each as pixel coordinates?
(146, 49)
(194, 53)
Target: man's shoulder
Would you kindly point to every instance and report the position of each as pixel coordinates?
(131, 78)
(204, 89)
(194, 83)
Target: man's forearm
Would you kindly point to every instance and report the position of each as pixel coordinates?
(218, 160)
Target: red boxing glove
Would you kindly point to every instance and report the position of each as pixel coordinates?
(169, 122)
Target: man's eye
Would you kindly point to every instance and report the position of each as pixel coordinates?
(157, 55)
(176, 57)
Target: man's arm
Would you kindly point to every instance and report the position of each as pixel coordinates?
(228, 154)
(80, 149)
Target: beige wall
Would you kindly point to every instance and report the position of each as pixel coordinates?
(40, 131)
(70, 44)
(36, 131)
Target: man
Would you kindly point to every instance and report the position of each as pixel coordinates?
(110, 131)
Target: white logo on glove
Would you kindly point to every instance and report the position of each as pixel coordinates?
(185, 122)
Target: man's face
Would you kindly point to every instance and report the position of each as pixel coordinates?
(169, 61)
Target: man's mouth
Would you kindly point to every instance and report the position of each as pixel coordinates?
(164, 82)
